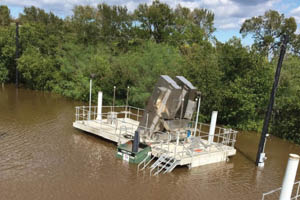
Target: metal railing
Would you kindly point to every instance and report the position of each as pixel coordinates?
(114, 119)
(274, 194)
(91, 113)
(225, 136)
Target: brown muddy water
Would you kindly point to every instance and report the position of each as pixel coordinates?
(43, 157)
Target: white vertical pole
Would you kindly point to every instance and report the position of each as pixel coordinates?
(99, 110)
(127, 101)
(289, 177)
(177, 143)
(114, 99)
(90, 100)
(197, 116)
(212, 127)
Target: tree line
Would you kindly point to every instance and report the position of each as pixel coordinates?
(123, 48)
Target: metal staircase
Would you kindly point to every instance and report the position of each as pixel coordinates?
(164, 164)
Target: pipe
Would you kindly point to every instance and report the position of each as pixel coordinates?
(113, 107)
(90, 100)
(212, 127)
(17, 52)
(127, 96)
(259, 156)
(99, 110)
(196, 123)
(289, 177)
(136, 142)
(177, 143)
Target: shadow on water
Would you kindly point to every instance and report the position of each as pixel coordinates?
(245, 155)
(2, 134)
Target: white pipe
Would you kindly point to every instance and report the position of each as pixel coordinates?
(127, 101)
(147, 118)
(212, 127)
(177, 143)
(90, 100)
(289, 177)
(99, 110)
(113, 107)
(196, 123)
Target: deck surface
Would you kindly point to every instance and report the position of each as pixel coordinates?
(115, 132)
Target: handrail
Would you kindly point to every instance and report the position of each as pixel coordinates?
(224, 136)
(143, 161)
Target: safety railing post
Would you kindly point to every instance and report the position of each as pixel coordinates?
(200, 129)
(129, 112)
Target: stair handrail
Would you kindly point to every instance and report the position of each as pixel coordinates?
(143, 161)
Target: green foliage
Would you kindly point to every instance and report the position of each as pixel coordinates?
(286, 119)
(141, 68)
(156, 20)
(3, 73)
(37, 70)
(268, 30)
(202, 69)
(7, 53)
(4, 16)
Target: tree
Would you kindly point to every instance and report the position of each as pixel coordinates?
(202, 69)
(4, 16)
(37, 70)
(269, 31)
(286, 121)
(191, 26)
(113, 22)
(246, 80)
(3, 73)
(204, 19)
(84, 24)
(156, 20)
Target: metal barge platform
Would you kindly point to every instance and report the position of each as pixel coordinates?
(118, 124)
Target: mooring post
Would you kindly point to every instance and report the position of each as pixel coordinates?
(197, 116)
(177, 143)
(90, 100)
(212, 127)
(260, 156)
(114, 97)
(127, 96)
(99, 110)
(289, 177)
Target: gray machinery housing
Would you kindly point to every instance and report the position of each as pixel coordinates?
(170, 107)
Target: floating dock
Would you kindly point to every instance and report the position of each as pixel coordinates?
(119, 123)
(165, 126)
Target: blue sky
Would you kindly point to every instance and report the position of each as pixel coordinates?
(229, 14)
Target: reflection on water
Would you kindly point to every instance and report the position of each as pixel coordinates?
(43, 157)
